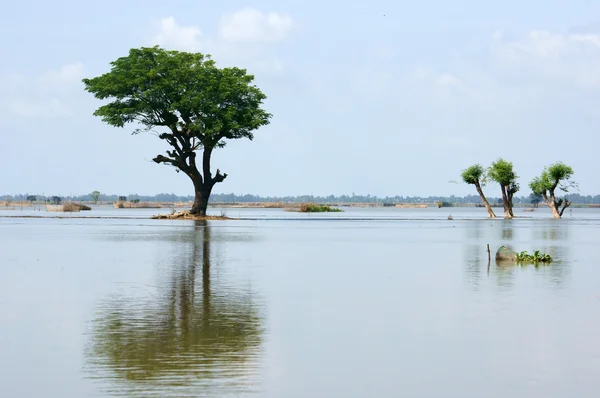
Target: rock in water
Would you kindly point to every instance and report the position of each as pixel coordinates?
(505, 254)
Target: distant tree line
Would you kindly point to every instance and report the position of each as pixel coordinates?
(575, 198)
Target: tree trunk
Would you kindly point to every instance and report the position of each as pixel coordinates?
(507, 212)
(485, 202)
(203, 186)
(201, 196)
(552, 204)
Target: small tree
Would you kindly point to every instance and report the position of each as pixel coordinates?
(122, 198)
(557, 175)
(56, 200)
(502, 172)
(192, 104)
(95, 196)
(475, 175)
(535, 199)
(31, 198)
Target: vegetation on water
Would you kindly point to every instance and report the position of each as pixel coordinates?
(535, 258)
(477, 176)
(501, 171)
(193, 105)
(314, 208)
(557, 175)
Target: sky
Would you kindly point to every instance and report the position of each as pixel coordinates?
(376, 97)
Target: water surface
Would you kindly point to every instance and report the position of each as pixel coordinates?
(378, 302)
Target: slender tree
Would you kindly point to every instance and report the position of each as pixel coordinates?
(95, 195)
(190, 103)
(502, 172)
(475, 175)
(557, 175)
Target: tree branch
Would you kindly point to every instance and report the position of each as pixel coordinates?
(566, 204)
(163, 159)
(545, 196)
(218, 177)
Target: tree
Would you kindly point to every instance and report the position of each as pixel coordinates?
(475, 175)
(557, 175)
(535, 199)
(191, 104)
(95, 196)
(31, 198)
(122, 198)
(502, 172)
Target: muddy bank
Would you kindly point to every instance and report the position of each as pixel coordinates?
(186, 215)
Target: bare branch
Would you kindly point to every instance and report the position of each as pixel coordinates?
(566, 204)
(219, 177)
(163, 159)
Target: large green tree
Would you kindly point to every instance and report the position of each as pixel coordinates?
(476, 175)
(193, 105)
(557, 175)
(502, 172)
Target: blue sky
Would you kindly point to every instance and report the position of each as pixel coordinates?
(379, 97)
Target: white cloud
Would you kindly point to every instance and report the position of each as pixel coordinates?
(171, 35)
(230, 46)
(448, 80)
(570, 59)
(67, 74)
(252, 26)
(48, 94)
(36, 108)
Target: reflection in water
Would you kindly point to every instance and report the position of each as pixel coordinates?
(473, 257)
(550, 237)
(507, 230)
(190, 337)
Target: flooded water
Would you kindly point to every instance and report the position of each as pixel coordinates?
(369, 303)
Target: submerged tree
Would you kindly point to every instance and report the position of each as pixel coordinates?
(535, 199)
(557, 175)
(475, 175)
(193, 105)
(502, 172)
(95, 195)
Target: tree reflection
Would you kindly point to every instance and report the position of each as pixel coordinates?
(187, 335)
(473, 255)
(507, 230)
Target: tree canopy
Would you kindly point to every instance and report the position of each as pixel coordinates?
(503, 173)
(557, 175)
(551, 178)
(190, 103)
(474, 175)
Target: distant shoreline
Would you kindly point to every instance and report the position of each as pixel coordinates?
(15, 205)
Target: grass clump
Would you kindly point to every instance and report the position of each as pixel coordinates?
(534, 258)
(314, 208)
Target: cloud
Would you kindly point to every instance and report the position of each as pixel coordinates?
(40, 108)
(448, 80)
(67, 74)
(230, 45)
(44, 95)
(252, 26)
(544, 57)
(174, 36)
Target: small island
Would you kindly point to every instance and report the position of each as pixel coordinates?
(315, 208)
